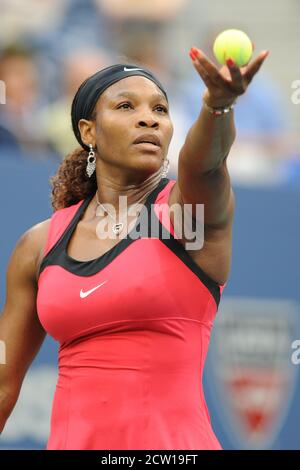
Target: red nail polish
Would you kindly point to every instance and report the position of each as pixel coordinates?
(192, 55)
(230, 62)
(195, 52)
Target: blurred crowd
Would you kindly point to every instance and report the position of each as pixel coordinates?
(47, 48)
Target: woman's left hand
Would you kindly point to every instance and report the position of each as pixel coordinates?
(226, 84)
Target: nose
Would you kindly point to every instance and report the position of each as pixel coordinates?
(148, 121)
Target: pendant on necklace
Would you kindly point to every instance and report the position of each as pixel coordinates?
(117, 228)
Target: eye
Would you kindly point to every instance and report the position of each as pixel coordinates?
(127, 105)
(162, 108)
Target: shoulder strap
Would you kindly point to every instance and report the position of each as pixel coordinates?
(159, 188)
(169, 238)
(60, 222)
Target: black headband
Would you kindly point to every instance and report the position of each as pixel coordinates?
(90, 90)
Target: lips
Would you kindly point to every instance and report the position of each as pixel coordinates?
(149, 139)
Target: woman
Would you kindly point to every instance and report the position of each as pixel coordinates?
(132, 315)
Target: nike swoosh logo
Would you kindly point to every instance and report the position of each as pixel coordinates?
(88, 292)
(130, 70)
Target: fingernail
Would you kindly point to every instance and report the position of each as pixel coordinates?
(230, 62)
(192, 54)
(196, 52)
(266, 53)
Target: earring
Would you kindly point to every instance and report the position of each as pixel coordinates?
(165, 168)
(91, 162)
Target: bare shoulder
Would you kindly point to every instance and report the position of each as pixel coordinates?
(35, 237)
(38, 233)
(31, 245)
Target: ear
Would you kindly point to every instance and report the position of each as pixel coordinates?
(87, 131)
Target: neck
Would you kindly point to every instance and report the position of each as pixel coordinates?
(109, 191)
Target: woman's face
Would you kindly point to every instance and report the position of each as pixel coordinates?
(128, 110)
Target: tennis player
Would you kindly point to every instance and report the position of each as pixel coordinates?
(132, 315)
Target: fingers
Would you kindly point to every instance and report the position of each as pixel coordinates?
(211, 75)
(234, 70)
(207, 66)
(240, 77)
(202, 71)
(237, 83)
(254, 67)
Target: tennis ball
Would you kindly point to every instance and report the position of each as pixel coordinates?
(234, 44)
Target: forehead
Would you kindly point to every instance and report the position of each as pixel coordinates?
(135, 84)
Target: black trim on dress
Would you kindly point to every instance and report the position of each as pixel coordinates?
(58, 253)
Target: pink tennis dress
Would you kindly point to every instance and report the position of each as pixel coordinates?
(133, 327)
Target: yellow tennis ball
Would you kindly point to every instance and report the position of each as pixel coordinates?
(234, 44)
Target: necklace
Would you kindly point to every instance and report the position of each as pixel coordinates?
(117, 227)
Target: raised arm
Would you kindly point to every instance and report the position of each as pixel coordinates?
(20, 329)
(202, 171)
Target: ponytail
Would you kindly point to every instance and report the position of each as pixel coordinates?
(71, 184)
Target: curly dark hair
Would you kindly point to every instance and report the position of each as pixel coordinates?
(71, 184)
